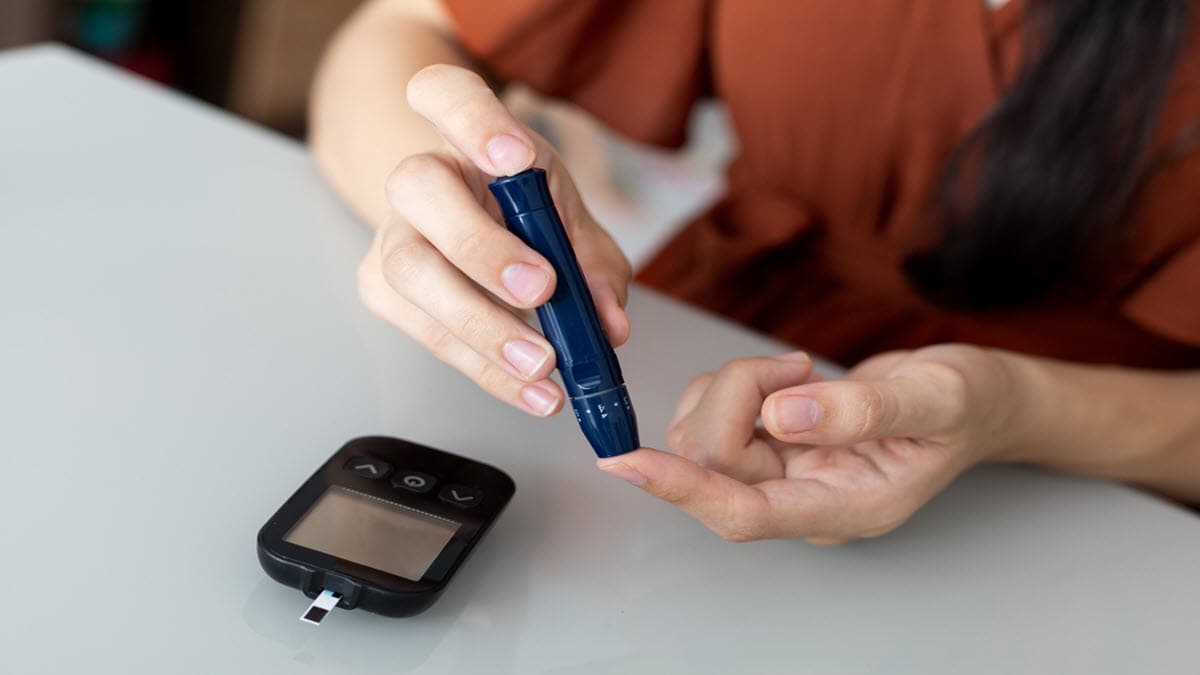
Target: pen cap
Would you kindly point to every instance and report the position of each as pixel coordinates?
(522, 193)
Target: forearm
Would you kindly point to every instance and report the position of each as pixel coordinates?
(1138, 426)
(360, 124)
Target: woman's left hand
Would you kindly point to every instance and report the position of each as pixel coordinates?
(833, 460)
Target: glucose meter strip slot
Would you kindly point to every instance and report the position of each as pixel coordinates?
(320, 607)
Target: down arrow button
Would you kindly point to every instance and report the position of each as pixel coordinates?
(461, 496)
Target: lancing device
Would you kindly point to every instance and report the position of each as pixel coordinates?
(586, 361)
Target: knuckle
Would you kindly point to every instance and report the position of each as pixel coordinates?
(740, 530)
(439, 341)
(410, 174)
(677, 435)
(436, 78)
(739, 524)
(474, 328)
(623, 293)
(373, 300)
(362, 274)
(673, 494)
(368, 288)
(701, 381)
(739, 365)
(881, 360)
(948, 377)
(609, 251)
(868, 409)
(465, 113)
(738, 371)
(684, 442)
(491, 379)
(624, 267)
(425, 78)
(471, 243)
(403, 260)
(954, 393)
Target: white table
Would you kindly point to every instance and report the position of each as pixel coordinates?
(182, 345)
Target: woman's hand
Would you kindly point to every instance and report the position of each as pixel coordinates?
(446, 271)
(833, 460)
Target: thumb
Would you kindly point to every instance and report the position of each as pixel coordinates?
(843, 412)
(469, 117)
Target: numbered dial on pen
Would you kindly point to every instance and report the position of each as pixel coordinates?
(601, 405)
(608, 421)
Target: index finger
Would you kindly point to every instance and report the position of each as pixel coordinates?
(720, 430)
(732, 509)
(468, 115)
(780, 508)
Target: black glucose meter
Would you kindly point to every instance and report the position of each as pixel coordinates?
(382, 526)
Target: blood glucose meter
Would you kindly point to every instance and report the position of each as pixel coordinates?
(383, 526)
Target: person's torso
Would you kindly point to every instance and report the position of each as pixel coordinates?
(845, 114)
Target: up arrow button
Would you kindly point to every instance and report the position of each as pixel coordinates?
(369, 467)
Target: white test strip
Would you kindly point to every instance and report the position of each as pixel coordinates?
(320, 607)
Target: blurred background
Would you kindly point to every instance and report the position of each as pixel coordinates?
(256, 58)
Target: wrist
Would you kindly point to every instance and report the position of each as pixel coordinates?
(1077, 419)
(1025, 390)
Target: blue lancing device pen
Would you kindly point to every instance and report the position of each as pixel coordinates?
(586, 361)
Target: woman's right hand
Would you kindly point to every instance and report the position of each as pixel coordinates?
(445, 270)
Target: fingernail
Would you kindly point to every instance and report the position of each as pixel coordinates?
(508, 154)
(525, 356)
(526, 282)
(623, 471)
(539, 400)
(796, 413)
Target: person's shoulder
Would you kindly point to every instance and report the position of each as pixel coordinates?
(636, 65)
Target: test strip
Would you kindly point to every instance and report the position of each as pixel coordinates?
(320, 607)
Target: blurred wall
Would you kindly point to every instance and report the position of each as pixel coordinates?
(185, 44)
(257, 58)
(26, 21)
(278, 45)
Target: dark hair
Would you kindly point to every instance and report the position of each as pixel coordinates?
(1039, 192)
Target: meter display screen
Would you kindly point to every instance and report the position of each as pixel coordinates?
(374, 532)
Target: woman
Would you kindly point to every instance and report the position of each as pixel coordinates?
(993, 204)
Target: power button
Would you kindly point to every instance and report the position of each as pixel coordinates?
(413, 481)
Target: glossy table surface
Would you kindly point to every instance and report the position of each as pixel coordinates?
(182, 345)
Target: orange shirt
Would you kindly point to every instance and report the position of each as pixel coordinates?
(845, 113)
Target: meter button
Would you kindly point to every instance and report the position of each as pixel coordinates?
(413, 481)
(461, 495)
(369, 467)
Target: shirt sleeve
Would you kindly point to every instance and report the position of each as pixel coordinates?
(1168, 303)
(637, 65)
(1167, 299)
